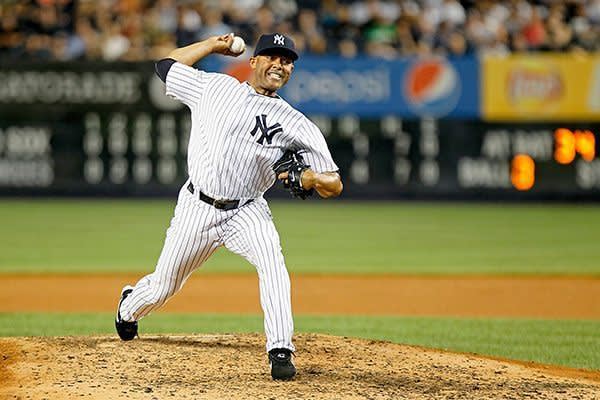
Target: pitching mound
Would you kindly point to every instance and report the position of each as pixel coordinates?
(235, 367)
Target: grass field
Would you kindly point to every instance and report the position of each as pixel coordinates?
(343, 237)
(68, 236)
(570, 343)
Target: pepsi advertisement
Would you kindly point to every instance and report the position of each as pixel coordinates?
(367, 87)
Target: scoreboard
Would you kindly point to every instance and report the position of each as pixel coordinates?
(144, 153)
(114, 133)
(467, 159)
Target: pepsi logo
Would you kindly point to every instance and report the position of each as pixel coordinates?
(431, 87)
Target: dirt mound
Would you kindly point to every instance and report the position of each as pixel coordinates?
(235, 367)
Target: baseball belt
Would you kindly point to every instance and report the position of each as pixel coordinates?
(225, 205)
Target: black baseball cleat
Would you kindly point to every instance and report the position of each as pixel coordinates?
(282, 367)
(126, 330)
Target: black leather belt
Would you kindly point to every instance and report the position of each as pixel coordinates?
(225, 205)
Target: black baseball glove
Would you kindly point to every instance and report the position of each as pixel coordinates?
(293, 163)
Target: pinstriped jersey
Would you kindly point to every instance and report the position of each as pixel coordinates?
(238, 134)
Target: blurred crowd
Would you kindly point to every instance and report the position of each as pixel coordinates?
(134, 30)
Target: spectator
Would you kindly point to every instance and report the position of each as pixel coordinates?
(456, 45)
(38, 47)
(142, 29)
(11, 37)
(593, 7)
(345, 37)
(265, 22)
(347, 48)
(361, 12)
(85, 40)
(586, 32)
(476, 31)
(114, 44)
(453, 13)
(167, 18)
(247, 8)
(535, 31)
(498, 46)
(188, 26)
(559, 34)
(379, 35)
(212, 23)
(425, 33)
(284, 9)
(406, 41)
(161, 45)
(518, 43)
(308, 27)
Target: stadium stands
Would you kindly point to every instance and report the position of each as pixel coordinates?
(134, 30)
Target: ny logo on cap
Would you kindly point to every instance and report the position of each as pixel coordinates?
(278, 39)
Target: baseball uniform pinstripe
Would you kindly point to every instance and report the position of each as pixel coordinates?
(236, 137)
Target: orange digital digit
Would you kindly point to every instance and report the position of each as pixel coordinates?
(564, 150)
(585, 144)
(522, 172)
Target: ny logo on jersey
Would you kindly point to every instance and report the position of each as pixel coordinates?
(267, 132)
(278, 39)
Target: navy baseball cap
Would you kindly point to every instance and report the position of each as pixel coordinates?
(276, 43)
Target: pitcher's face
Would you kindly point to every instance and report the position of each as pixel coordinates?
(271, 71)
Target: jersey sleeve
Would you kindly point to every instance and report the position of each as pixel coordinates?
(186, 84)
(314, 148)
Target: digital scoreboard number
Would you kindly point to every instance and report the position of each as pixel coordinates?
(568, 144)
(535, 157)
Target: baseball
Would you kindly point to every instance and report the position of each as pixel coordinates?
(238, 46)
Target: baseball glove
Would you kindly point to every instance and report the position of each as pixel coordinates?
(293, 163)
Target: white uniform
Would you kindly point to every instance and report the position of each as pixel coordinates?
(236, 137)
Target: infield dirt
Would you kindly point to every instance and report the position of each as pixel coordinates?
(459, 296)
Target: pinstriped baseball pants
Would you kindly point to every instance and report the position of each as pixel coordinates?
(197, 229)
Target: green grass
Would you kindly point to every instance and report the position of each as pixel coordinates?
(566, 342)
(317, 237)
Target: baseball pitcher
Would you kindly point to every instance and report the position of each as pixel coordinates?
(243, 138)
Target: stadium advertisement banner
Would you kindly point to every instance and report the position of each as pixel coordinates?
(541, 87)
(367, 87)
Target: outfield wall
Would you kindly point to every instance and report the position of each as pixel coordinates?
(522, 127)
